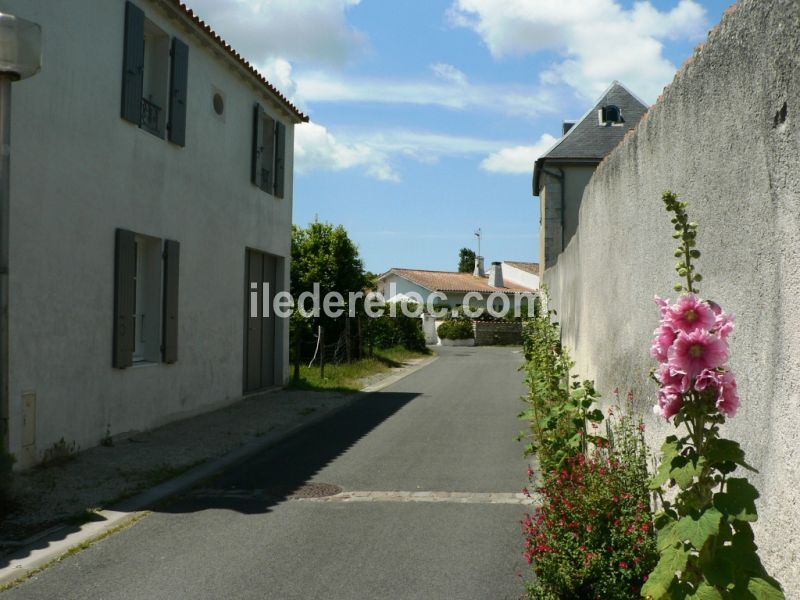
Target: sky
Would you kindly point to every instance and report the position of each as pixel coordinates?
(427, 115)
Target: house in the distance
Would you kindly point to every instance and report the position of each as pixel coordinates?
(510, 278)
(561, 174)
(151, 187)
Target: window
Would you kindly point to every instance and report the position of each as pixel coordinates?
(610, 115)
(269, 153)
(154, 78)
(145, 299)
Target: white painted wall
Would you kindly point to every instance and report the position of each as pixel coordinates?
(512, 274)
(78, 172)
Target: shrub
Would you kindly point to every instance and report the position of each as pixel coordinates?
(456, 329)
(387, 332)
(593, 535)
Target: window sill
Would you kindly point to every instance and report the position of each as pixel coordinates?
(144, 363)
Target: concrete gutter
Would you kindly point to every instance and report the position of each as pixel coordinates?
(52, 546)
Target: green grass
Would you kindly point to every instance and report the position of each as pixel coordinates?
(348, 377)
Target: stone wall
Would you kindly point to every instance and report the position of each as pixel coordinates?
(726, 137)
(489, 333)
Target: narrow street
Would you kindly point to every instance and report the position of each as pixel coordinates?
(425, 477)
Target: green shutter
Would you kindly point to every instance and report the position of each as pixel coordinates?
(133, 64)
(179, 75)
(169, 320)
(124, 298)
(268, 160)
(280, 158)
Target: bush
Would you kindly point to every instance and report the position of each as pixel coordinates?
(456, 329)
(387, 332)
(593, 536)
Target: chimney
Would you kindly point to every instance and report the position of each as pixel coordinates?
(566, 126)
(496, 275)
(479, 272)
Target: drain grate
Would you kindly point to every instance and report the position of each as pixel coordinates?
(314, 489)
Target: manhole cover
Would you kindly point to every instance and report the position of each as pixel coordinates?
(314, 490)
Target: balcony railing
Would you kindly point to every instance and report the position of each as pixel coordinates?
(150, 117)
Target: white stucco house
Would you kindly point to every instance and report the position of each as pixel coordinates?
(511, 277)
(151, 185)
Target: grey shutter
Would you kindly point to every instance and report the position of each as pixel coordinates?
(178, 77)
(124, 298)
(258, 144)
(133, 64)
(169, 320)
(280, 158)
(268, 162)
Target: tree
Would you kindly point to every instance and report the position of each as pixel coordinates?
(323, 253)
(466, 260)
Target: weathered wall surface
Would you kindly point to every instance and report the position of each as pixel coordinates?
(717, 137)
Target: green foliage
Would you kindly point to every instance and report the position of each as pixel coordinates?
(466, 260)
(558, 413)
(388, 331)
(61, 452)
(593, 536)
(686, 232)
(459, 328)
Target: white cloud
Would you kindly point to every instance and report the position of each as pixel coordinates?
(600, 39)
(375, 153)
(315, 148)
(455, 92)
(517, 159)
(308, 30)
(449, 73)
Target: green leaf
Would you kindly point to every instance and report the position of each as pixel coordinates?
(706, 592)
(721, 451)
(595, 416)
(660, 580)
(685, 469)
(738, 500)
(669, 451)
(697, 530)
(764, 590)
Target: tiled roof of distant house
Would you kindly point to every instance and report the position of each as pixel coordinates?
(528, 267)
(449, 281)
(590, 141)
(215, 38)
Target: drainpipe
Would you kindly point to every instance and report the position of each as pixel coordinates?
(561, 179)
(20, 58)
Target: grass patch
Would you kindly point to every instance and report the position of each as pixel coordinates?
(349, 377)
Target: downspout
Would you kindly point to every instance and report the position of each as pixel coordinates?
(5, 170)
(562, 180)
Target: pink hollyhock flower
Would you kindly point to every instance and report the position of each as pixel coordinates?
(728, 402)
(690, 313)
(670, 401)
(665, 336)
(693, 352)
(724, 325)
(670, 378)
(663, 305)
(708, 378)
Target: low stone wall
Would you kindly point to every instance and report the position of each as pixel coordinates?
(488, 333)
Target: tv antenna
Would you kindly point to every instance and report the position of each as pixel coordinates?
(478, 235)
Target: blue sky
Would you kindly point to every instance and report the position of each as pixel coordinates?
(427, 115)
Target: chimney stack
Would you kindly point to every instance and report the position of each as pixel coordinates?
(496, 275)
(479, 272)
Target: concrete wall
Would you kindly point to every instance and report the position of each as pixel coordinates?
(79, 172)
(716, 138)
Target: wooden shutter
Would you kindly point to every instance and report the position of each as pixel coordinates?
(280, 158)
(124, 298)
(178, 78)
(169, 320)
(133, 64)
(268, 162)
(258, 144)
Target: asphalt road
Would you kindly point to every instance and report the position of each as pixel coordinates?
(447, 429)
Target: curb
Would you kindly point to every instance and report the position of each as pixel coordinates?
(34, 558)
